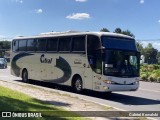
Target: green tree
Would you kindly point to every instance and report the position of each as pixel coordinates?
(150, 54)
(118, 30)
(140, 48)
(158, 57)
(149, 46)
(5, 44)
(104, 30)
(127, 32)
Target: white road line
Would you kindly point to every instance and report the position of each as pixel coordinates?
(149, 90)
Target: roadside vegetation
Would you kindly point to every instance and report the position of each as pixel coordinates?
(13, 101)
(150, 73)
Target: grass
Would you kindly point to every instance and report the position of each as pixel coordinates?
(14, 101)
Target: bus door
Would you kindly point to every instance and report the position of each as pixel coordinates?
(88, 77)
(94, 57)
(97, 70)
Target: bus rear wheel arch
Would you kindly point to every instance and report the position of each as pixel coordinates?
(77, 84)
(25, 76)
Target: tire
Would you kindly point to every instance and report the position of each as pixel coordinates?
(25, 76)
(77, 85)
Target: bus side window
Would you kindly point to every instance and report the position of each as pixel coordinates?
(65, 44)
(78, 44)
(22, 45)
(94, 54)
(31, 45)
(41, 44)
(52, 44)
(15, 45)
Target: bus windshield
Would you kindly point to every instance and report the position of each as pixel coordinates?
(118, 43)
(120, 63)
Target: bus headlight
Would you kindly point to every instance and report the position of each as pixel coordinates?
(135, 83)
(108, 82)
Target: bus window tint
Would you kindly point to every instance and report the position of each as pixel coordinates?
(65, 44)
(52, 44)
(41, 45)
(93, 44)
(15, 45)
(31, 45)
(78, 43)
(22, 45)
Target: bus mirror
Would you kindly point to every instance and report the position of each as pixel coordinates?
(101, 48)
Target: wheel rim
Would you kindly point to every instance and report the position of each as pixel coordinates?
(78, 85)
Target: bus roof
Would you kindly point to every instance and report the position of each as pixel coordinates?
(70, 33)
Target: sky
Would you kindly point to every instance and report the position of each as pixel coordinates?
(32, 17)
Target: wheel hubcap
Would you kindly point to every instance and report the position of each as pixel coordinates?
(78, 85)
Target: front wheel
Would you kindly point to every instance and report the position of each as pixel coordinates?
(77, 85)
(25, 76)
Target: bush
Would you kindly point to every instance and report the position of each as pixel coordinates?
(151, 79)
(158, 79)
(150, 72)
(144, 77)
(156, 67)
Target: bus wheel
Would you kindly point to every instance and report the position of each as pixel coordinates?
(25, 76)
(77, 85)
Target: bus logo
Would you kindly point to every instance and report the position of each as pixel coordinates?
(45, 60)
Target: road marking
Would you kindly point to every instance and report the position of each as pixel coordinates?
(149, 90)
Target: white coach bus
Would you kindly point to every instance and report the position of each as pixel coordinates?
(98, 61)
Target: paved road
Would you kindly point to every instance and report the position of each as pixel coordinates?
(147, 98)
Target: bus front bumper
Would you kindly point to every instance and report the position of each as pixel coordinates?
(115, 87)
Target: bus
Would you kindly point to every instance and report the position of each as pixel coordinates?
(98, 61)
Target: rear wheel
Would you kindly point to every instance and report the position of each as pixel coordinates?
(25, 76)
(77, 85)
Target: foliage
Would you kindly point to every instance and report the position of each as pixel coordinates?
(150, 73)
(5, 44)
(118, 30)
(140, 48)
(152, 56)
(104, 30)
(127, 32)
(158, 57)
